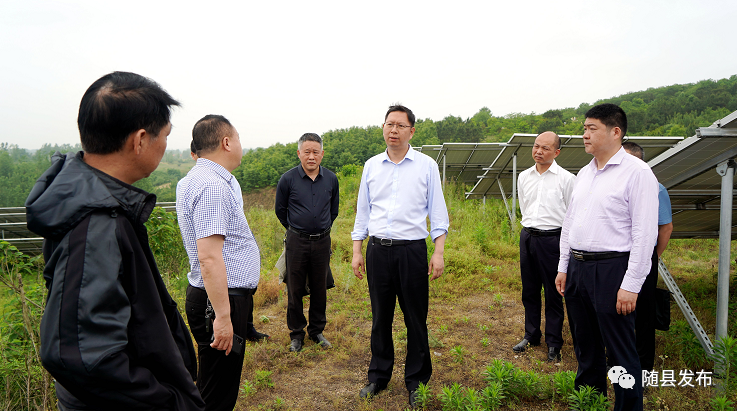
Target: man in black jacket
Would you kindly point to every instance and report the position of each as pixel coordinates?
(111, 335)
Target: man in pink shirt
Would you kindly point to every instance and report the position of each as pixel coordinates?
(606, 243)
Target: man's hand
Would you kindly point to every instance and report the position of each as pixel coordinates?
(626, 301)
(223, 333)
(560, 283)
(359, 268)
(210, 254)
(437, 265)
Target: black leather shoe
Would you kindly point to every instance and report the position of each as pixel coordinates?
(413, 399)
(522, 345)
(319, 339)
(254, 335)
(296, 345)
(553, 354)
(371, 389)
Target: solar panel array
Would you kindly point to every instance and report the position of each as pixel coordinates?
(13, 228)
(572, 157)
(463, 161)
(688, 171)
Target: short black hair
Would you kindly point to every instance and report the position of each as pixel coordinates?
(611, 115)
(403, 109)
(309, 137)
(634, 149)
(209, 131)
(193, 148)
(117, 105)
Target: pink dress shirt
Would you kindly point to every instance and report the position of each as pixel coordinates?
(614, 209)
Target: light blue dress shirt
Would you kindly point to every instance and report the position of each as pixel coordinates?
(209, 202)
(395, 200)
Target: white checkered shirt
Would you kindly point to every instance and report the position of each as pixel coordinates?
(209, 202)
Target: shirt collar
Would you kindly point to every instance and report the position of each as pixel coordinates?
(616, 159)
(410, 155)
(302, 173)
(554, 168)
(215, 167)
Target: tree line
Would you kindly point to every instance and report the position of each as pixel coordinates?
(675, 110)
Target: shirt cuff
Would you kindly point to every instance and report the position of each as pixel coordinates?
(438, 232)
(563, 263)
(632, 284)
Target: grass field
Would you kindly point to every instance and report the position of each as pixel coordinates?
(475, 318)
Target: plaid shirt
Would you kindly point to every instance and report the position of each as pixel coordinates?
(209, 202)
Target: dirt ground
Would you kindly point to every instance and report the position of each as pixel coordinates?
(318, 379)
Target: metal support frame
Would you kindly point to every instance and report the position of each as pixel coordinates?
(504, 200)
(514, 191)
(726, 170)
(698, 330)
(443, 172)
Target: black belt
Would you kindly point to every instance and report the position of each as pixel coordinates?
(594, 256)
(241, 292)
(244, 292)
(308, 235)
(388, 242)
(542, 233)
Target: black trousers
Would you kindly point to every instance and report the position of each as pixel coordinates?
(306, 259)
(538, 260)
(218, 375)
(645, 320)
(591, 300)
(398, 272)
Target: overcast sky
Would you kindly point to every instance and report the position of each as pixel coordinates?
(280, 69)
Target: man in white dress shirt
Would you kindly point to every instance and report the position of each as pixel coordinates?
(544, 194)
(400, 189)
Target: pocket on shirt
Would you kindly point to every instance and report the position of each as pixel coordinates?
(554, 196)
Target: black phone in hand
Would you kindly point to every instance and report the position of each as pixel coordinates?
(237, 343)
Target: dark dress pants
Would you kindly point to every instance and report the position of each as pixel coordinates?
(645, 320)
(306, 259)
(398, 272)
(218, 376)
(591, 301)
(538, 268)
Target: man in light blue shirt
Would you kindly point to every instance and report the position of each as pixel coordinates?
(224, 259)
(400, 188)
(645, 320)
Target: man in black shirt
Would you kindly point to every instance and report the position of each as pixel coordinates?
(306, 204)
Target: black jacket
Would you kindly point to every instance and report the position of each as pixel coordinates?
(111, 334)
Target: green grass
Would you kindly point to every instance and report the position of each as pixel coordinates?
(481, 269)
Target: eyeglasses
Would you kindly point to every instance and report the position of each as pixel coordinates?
(399, 126)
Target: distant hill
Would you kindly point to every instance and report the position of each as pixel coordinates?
(675, 110)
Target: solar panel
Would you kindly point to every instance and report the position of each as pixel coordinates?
(688, 171)
(572, 157)
(463, 162)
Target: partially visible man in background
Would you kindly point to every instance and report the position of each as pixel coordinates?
(306, 204)
(223, 256)
(645, 320)
(544, 194)
(111, 335)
